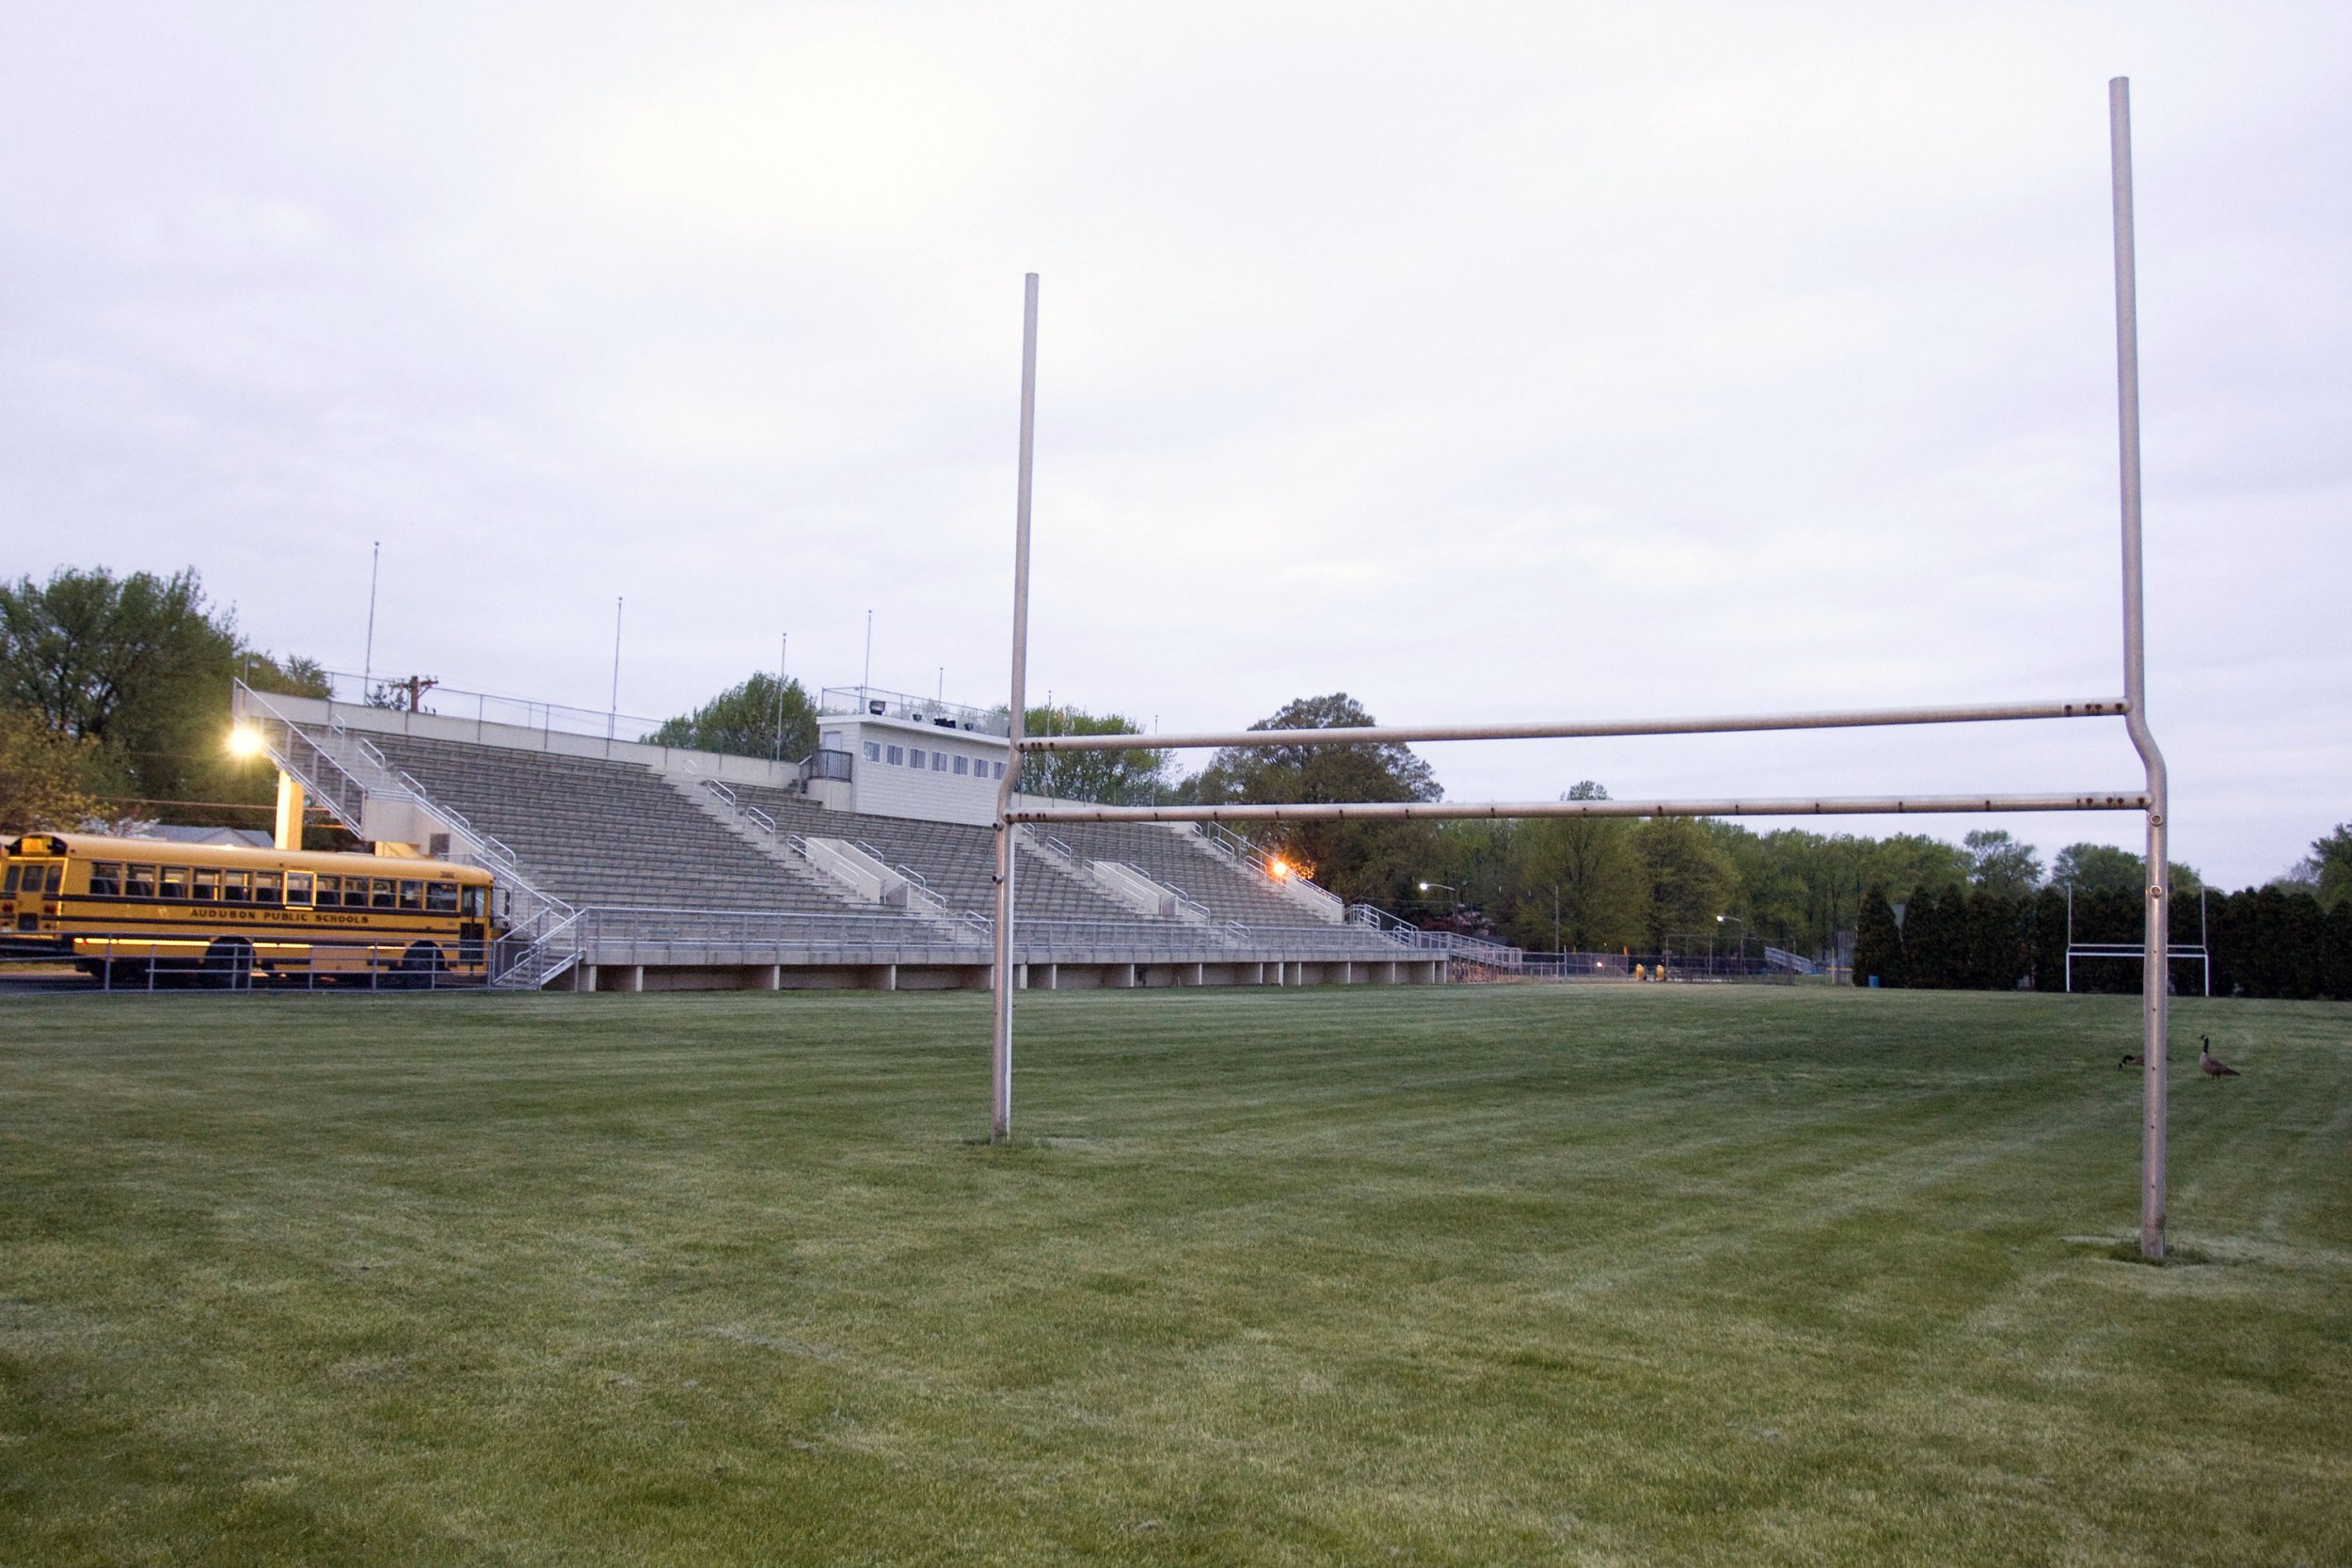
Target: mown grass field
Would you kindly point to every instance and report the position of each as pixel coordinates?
(1382, 1277)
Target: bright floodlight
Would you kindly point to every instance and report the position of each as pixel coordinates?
(244, 741)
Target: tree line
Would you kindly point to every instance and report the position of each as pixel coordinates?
(113, 707)
(2280, 941)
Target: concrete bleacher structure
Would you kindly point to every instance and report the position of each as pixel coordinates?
(633, 866)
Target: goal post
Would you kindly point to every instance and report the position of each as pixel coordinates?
(2149, 798)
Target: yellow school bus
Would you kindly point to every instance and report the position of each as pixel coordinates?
(133, 908)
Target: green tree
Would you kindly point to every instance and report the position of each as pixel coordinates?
(1999, 865)
(2328, 869)
(1106, 777)
(293, 676)
(134, 665)
(1688, 881)
(2099, 868)
(1585, 870)
(1371, 861)
(41, 775)
(744, 721)
(1877, 947)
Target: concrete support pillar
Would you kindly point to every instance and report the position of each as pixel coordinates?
(766, 978)
(289, 812)
(584, 977)
(1053, 977)
(631, 976)
(1199, 974)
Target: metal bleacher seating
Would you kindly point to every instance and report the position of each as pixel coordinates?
(955, 860)
(600, 832)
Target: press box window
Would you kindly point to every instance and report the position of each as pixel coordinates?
(897, 755)
(939, 762)
(963, 766)
(873, 750)
(915, 758)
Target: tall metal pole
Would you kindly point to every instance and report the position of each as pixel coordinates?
(1000, 1056)
(2156, 981)
(612, 713)
(783, 646)
(367, 660)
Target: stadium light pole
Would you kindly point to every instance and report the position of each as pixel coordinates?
(2157, 969)
(1000, 1054)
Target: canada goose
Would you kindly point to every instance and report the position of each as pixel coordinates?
(2210, 1064)
(2131, 1058)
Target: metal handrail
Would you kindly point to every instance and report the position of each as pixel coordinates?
(492, 846)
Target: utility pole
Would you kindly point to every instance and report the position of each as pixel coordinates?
(612, 713)
(367, 660)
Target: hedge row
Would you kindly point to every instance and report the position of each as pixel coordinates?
(2263, 941)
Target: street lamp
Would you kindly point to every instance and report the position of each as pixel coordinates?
(1743, 932)
(1447, 886)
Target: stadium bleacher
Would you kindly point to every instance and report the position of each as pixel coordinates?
(673, 878)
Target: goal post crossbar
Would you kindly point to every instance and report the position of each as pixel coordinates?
(1378, 735)
(1460, 811)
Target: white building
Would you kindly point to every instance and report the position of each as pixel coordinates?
(889, 754)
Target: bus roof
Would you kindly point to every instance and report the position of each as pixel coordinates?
(100, 847)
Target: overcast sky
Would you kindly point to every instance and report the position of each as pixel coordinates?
(1482, 362)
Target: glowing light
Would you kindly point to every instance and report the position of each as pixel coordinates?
(1278, 869)
(244, 741)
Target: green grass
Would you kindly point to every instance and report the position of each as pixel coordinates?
(1396, 1277)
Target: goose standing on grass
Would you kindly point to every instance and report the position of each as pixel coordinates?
(2131, 1058)
(2209, 1063)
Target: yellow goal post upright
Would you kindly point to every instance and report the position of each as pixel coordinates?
(2149, 798)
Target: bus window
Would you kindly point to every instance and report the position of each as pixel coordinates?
(330, 894)
(105, 880)
(141, 882)
(411, 895)
(297, 887)
(57, 877)
(267, 887)
(175, 882)
(206, 887)
(441, 898)
(381, 896)
(473, 903)
(10, 885)
(236, 887)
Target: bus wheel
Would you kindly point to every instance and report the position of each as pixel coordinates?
(229, 962)
(422, 964)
